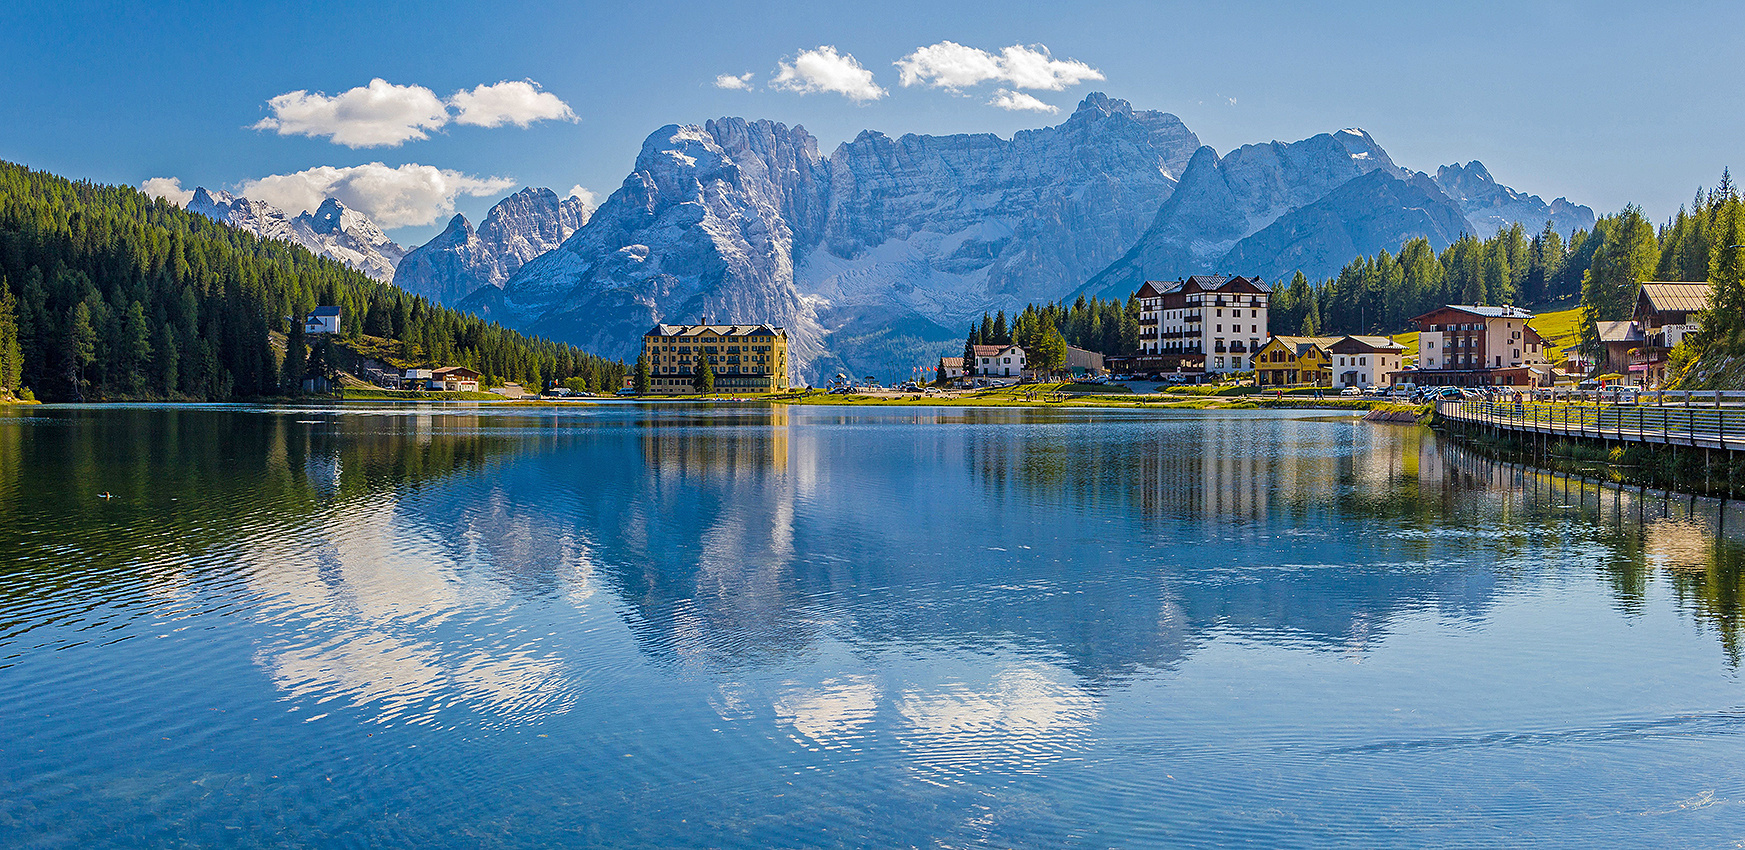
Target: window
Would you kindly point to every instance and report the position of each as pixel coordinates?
(1363, 361)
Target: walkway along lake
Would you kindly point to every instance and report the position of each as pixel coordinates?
(676, 626)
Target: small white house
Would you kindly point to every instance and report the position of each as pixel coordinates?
(999, 361)
(322, 320)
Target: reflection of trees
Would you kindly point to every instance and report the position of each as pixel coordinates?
(1696, 544)
(188, 480)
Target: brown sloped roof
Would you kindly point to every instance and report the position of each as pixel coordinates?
(1668, 297)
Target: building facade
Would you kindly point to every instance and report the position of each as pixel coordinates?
(950, 368)
(744, 358)
(322, 320)
(999, 361)
(1204, 323)
(1080, 360)
(1465, 345)
(1286, 361)
(1665, 314)
(1366, 361)
(454, 379)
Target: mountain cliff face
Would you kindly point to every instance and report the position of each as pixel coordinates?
(332, 230)
(1365, 215)
(876, 256)
(1224, 200)
(702, 229)
(870, 257)
(460, 260)
(1491, 207)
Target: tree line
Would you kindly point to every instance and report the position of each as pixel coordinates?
(106, 293)
(1603, 268)
(1105, 326)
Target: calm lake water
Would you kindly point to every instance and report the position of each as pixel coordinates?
(738, 627)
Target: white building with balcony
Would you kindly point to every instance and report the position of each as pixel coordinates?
(1215, 323)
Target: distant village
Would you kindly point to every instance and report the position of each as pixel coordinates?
(1200, 329)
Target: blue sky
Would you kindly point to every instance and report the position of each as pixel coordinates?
(1606, 103)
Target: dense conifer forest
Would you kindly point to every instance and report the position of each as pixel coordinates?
(1599, 269)
(106, 293)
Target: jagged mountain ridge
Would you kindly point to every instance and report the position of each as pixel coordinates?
(460, 260)
(1491, 206)
(332, 230)
(876, 256)
(873, 254)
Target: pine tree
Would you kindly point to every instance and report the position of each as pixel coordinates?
(296, 360)
(135, 349)
(11, 353)
(969, 359)
(1049, 353)
(643, 379)
(704, 379)
(81, 345)
(1001, 335)
(1724, 323)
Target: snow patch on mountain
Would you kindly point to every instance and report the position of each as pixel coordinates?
(332, 230)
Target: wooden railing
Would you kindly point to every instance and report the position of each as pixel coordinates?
(1721, 425)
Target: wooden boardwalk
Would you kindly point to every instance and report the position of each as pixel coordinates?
(1684, 422)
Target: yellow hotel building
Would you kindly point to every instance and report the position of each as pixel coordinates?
(745, 358)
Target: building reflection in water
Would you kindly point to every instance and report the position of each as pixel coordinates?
(976, 578)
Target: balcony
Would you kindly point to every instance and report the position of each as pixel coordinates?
(1191, 318)
(1238, 348)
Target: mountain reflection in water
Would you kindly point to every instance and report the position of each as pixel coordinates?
(972, 601)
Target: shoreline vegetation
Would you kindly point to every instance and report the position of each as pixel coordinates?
(1024, 396)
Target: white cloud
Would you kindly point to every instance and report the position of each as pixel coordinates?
(168, 188)
(825, 70)
(409, 195)
(518, 102)
(380, 114)
(585, 196)
(739, 83)
(949, 65)
(1017, 101)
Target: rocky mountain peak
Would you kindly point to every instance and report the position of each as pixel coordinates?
(461, 260)
(1491, 206)
(1103, 104)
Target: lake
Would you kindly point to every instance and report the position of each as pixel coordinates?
(693, 626)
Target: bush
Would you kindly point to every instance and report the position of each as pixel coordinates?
(24, 394)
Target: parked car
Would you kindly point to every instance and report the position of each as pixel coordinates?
(1619, 395)
(627, 391)
(1351, 391)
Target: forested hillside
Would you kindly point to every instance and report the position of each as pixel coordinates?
(1603, 268)
(108, 294)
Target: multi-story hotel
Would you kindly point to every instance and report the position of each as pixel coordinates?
(745, 358)
(1204, 323)
(1464, 345)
